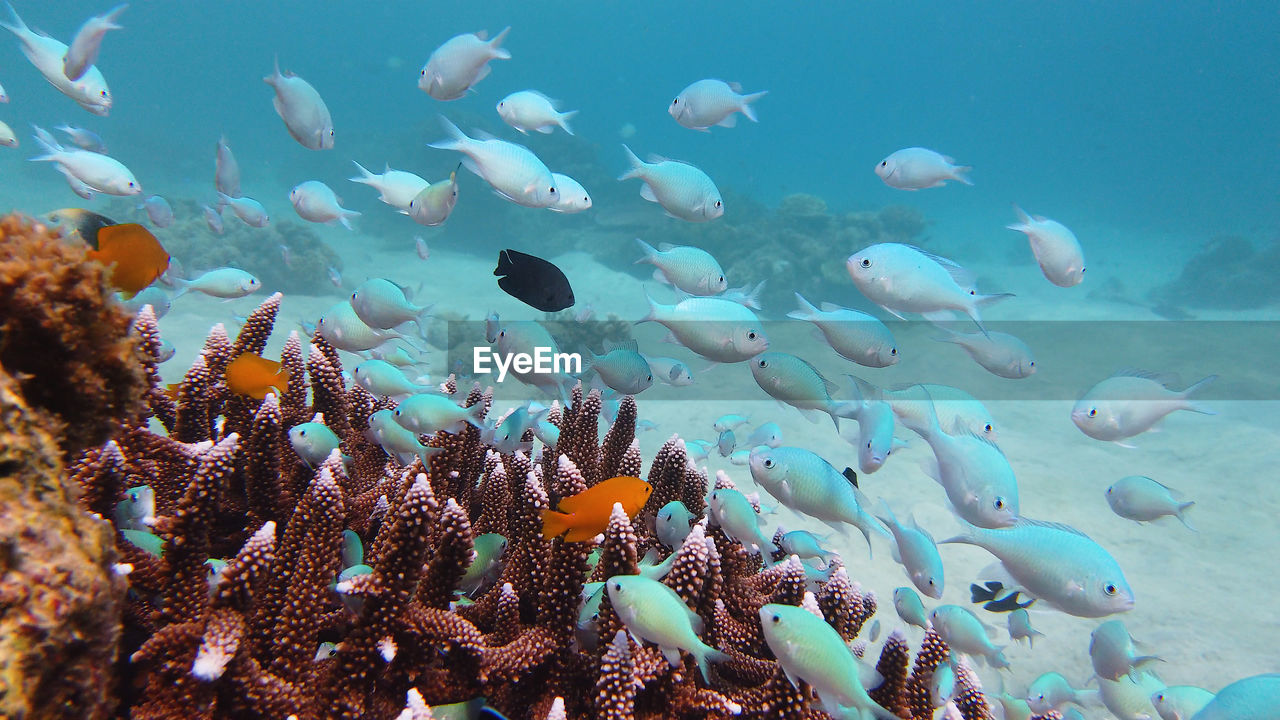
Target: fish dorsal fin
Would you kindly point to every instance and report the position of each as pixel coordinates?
(830, 307)
(627, 344)
(666, 246)
(1166, 379)
(960, 275)
(655, 158)
(961, 429)
(829, 386)
(1049, 524)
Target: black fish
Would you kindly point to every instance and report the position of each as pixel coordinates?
(989, 595)
(533, 281)
(851, 476)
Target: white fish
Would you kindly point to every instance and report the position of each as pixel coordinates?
(84, 139)
(719, 330)
(683, 190)
(670, 371)
(461, 62)
(424, 251)
(914, 548)
(527, 110)
(7, 138)
(1180, 702)
(395, 187)
(433, 205)
(713, 102)
(227, 283)
(902, 278)
(573, 197)
(250, 211)
(4, 96)
(1112, 652)
(974, 472)
(916, 168)
(1129, 698)
(1131, 402)
(213, 218)
(100, 173)
(344, 329)
(512, 170)
(1056, 563)
(998, 353)
(1056, 248)
(83, 52)
(316, 202)
(692, 270)
(159, 212)
(303, 111)
(965, 633)
(1142, 499)
(954, 407)
(90, 91)
(226, 173)
(527, 336)
(854, 335)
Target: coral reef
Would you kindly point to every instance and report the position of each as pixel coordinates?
(249, 604)
(1242, 277)
(62, 338)
(257, 250)
(60, 600)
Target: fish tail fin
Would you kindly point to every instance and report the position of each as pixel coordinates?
(555, 524)
(345, 218)
(1181, 514)
(652, 315)
(704, 654)
(495, 45)
(1024, 220)
(1195, 406)
(805, 310)
(961, 174)
(184, 287)
(925, 424)
(996, 658)
(456, 140)
(637, 165)
(365, 175)
(1141, 662)
(650, 252)
(746, 108)
(475, 415)
(563, 120)
(19, 27)
(981, 301)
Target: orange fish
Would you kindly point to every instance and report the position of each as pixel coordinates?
(585, 515)
(134, 255)
(255, 376)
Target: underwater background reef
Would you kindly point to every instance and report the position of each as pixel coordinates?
(97, 626)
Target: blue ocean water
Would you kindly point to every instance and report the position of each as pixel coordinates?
(1149, 128)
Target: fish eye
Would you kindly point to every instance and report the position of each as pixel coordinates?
(866, 262)
(884, 163)
(617, 586)
(1093, 412)
(676, 101)
(721, 278)
(751, 336)
(999, 503)
(717, 203)
(868, 444)
(893, 351)
(763, 363)
(648, 378)
(1109, 589)
(768, 464)
(987, 428)
(776, 618)
(551, 190)
(1033, 363)
(103, 93)
(302, 433)
(973, 292)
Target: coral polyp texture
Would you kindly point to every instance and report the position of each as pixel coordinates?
(261, 587)
(61, 336)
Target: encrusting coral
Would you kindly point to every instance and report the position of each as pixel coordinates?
(61, 336)
(246, 599)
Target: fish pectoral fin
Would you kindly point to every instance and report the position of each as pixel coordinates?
(672, 654)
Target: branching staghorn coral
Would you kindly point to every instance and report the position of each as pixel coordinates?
(249, 640)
